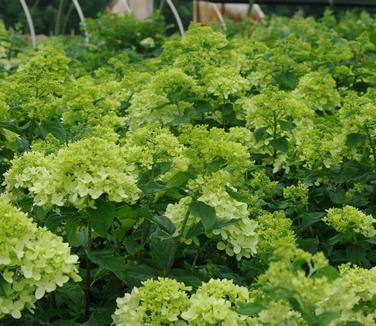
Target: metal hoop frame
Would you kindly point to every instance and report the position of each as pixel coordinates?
(126, 5)
(30, 23)
(177, 17)
(220, 16)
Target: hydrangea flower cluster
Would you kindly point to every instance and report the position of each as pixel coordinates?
(85, 105)
(33, 261)
(163, 99)
(238, 239)
(34, 91)
(157, 302)
(76, 175)
(166, 302)
(351, 220)
(215, 303)
(147, 147)
(318, 91)
(273, 228)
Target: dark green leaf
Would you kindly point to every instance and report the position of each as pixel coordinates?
(354, 140)
(221, 223)
(126, 212)
(179, 179)
(164, 223)
(162, 252)
(259, 133)
(288, 80)
(2, 287)
(250, 309)
(280, 144)
(135, 274)
(237, 195)
(195, 230)
(101, 218)
(71, 227)
(215, 165)
(311, 218)
(205, 213)
(55, 128)
(326, 317)
(109, 260)
(287, 125)
(330, 272)
(152, 187)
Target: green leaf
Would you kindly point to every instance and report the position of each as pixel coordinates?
(205, 213)
(101, 218)
(330, 272)
(195, 230)
(353, 323)
(135, 274)
(287, 125)
(2, 289)
(215, 165)
(221, 223)
(337, 196)
(288, 80)
(250, 309)
(11, 126)
(126, 212)
(237, 195)
(162, 251)
(179, 179)
(311, 218)
(55, 128)
(353, 170)
(354, 140)
(152, 187)
(164, 223)
(71, 227)
(326, 317)
(109, 260)
(280, 144)
(259, 133)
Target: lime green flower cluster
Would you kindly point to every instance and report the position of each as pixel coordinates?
(321, 144)
(76, 175)
(225, 82)
(351, 220)
(163, 99)
(200, 47)
(204, 146)
(157, 302)
(215, 303)
(238, 239)
(273, 228)
(166, 302)
(88, 103)
(148, 146)
(297, 194)
(33, 261)
(318, 91)
(3, 108)
(351, 296)
(34, 91)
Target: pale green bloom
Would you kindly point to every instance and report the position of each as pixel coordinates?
(76, 175)
(351, 220)
(157, 302)
(33, 261)
(215, 303)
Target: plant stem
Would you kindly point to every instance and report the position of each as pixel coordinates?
(373, 147)
(180, 234)
(88, 274)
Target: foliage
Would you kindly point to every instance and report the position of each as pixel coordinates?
(211, 180)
